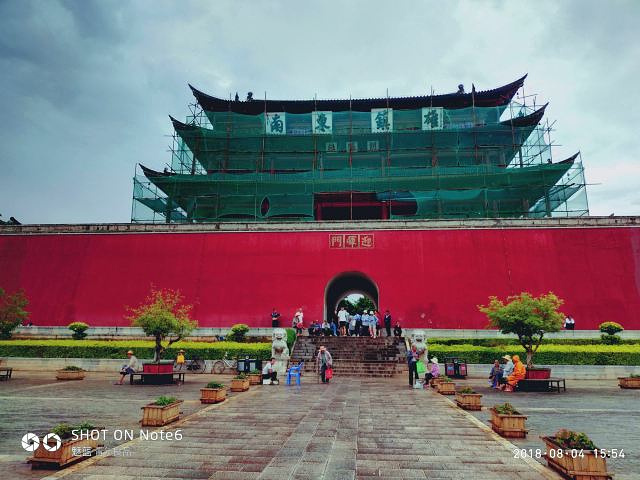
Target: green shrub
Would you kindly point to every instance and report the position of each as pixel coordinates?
(291, 338)
(163, 401)
(466, 390)
(65, 430)
(608, 339)
(255, 372)
(241, 376)
(506, 409)
(144, 349)
(78, 329)
(633, 375)
(611, 328)
(214, 385)
(238, 332)
(497, 342)
(574, 440)
(73, 368)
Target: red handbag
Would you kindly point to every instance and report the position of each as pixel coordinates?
(328, 373)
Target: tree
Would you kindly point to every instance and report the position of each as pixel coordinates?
(12, 311)
(238, 332)
(527, 316)
(162, 316)
(78, 329)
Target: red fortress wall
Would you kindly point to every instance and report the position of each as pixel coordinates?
(427, 278)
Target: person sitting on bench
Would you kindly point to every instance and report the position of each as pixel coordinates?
(129, 368)
(519, 372)
(269, 373)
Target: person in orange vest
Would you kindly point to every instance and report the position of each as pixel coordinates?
(519, 372)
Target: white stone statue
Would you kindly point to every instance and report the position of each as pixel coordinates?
(419, 339)
(280, 351)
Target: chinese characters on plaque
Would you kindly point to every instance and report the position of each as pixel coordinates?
(351, 240)
(322, 122)
(381, 120)
(432, 118)
(275, 123)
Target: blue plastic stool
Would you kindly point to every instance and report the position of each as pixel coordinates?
(295, 372)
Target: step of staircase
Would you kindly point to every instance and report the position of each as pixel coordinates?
(354, 356)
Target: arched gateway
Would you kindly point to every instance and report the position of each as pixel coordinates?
(345, 284)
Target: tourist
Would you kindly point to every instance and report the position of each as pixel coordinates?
(376, 317)
(269, 372)
(358, 317)
(412, 362)
(298, 317)
(326, 328)
(495, 375)
(507, 369)
(519, 372)
(434, 372)
(343, 317)
(323, 363)
(128, 368)
(397, 330)
(364, 329)
(387, 322)
(352, 325)
(180, 360)
(372, 324)
(569, 323)
(334, 327)
(275, 323)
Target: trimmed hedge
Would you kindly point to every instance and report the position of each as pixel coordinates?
(546, 355)
(118, 349)
(496, 342)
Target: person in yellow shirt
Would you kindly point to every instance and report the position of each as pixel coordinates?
(180, 360)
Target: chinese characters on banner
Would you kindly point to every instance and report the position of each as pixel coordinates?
(432, 118)
(275, 123)
(351, 240)
(381, 120)
(322, 122)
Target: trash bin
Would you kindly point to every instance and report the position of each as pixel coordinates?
(247, 364)
(455, 367)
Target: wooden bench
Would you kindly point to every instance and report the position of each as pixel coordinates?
(5, 373)
(157, 378)
(541, 385)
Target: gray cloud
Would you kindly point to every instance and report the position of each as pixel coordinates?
(87, 85)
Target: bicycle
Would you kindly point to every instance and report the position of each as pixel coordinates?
(193, 365)
(219, 366)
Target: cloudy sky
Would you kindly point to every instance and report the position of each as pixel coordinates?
(87, 86)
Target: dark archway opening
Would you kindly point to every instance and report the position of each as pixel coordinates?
(345, 284)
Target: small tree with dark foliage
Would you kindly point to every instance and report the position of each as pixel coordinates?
(12, 311)
(527, 316)
(163, 316)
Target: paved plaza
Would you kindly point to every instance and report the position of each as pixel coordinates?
(352, 428)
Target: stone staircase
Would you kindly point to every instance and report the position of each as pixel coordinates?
(354, 356)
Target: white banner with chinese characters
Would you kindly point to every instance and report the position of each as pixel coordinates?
(432, 118)
(275, 123)
(381, 120)
(322, 122)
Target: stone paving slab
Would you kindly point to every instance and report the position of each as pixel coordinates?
(350, 429)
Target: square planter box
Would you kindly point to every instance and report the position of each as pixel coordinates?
(157, 416)
(590, 466)
(62, 456)
(510, 426)
(434, 382)
(239, 385)
(629, 382)
(70, 374)
(255, 379)
(213, 395)
(469, 401)
(447, 388)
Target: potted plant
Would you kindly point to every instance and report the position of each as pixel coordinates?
(632, 381)
(435, 381)
(70, 372)
(70, 450)
(161, 412)
(214, 392)
(609, 330)
(446, 386)
(507, 421)
(78, 329)
(255, 377)
(529, 318)
(468, 399)
(240, 383)
(574, 455)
